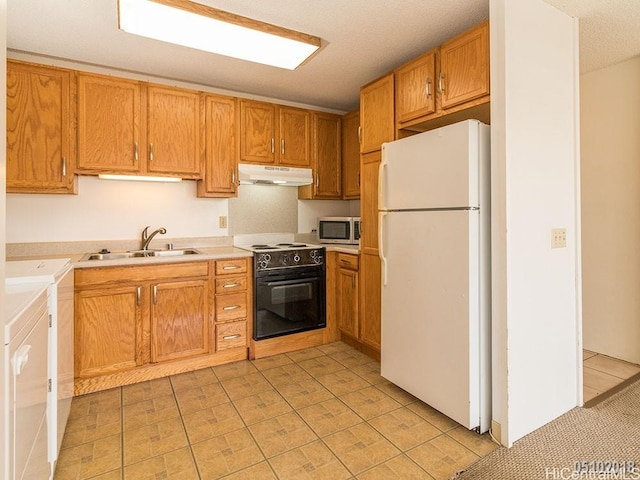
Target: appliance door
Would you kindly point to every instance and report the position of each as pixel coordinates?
(434, 169)
(337, 230)
(289, 300)
(430, 309)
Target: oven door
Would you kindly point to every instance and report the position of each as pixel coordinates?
(289, 300)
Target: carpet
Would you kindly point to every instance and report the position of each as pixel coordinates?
(605, 436)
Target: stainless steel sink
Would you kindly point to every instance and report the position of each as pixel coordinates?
(140, 254)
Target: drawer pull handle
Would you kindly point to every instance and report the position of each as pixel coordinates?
(231, 337)
(231, 285)
(230, 267)
(231, 307)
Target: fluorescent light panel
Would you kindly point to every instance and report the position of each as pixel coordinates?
(139, 178)
(205, 28)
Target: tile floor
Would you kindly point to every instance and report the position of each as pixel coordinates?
(321, 412)
(602, 373)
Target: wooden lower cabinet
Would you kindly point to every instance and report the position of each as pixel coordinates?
(348, 294)
(370, 308)
(136, 323)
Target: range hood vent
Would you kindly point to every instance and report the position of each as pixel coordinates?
(270, 175)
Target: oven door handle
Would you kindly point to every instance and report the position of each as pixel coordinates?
(292, 282)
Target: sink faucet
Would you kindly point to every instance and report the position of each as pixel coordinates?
(146, 238)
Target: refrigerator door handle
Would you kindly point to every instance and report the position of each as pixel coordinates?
(383, 259)
(382, 176)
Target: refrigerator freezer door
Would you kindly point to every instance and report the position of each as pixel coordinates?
(430, 309)
(434, 169)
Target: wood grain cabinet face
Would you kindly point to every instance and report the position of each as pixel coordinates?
(370, 325)
(348, 287)
(416, 88)
(295, 137)
(351, 155)
(327, 155)
(377, 114)
(233, 309)
(257, 132)
(221, 148)
(40, 130)
(369, 203)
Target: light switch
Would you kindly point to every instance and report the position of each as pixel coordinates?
(223, 221)
(558, 238)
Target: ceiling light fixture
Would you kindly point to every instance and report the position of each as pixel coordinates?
(194, 25)
(138, 178)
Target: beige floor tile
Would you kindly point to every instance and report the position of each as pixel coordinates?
(260, 471)
(434, 417)
(261, 406)
(266, 363)
(245, 385)
(151, 411)
(334, 347)
(329, 417)
(304, 393)
(281, 434)
(442, 457)
(360, 447)
(212, 422)
(395, 392)
(234, 369)
(342, 381)
(112, 475)
(286, 374)
(589, 393)
(139, 392)
(598, 380)
(587, 354)
(321, 365)
(90, 459)
(370, 372)
(612, 366)
(226, 454)
(153, 440)
(351, 358)
(197, 378)
(404, 428)
(176, 465)
(88, 428)
(93, 403)
(200, 398)
(311, 461)
(370, 402)
(481, 445)
(400, 467)
(306, 354)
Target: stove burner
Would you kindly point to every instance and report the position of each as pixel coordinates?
(260, 245)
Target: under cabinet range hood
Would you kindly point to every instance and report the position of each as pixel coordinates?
(270, 175)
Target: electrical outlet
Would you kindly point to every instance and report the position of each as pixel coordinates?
(558, 238)
(223, 221)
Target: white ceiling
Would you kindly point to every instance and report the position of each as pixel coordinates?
(362, 40)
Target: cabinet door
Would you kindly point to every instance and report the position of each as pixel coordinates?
(327, 153)
(464, 67)
(376, 114)
(109, 128)
(40, 130)
(295, 137)
(180, 323)
(173, 124)
(370, 326)
(351, 155)
(257, 132)
(369, 203)
(415, 88)
(348, 302)
(108, 330)
(221, 148)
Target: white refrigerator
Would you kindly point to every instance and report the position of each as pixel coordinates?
(434, 205)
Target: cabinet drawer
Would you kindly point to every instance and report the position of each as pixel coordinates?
(228, 284)
(226, 267)
(348, 261)
(231, 307)
(231, 335)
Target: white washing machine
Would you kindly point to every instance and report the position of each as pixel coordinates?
(25, 335)
(58, 274)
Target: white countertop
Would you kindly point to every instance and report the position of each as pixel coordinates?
(18, 299)
(343, 248)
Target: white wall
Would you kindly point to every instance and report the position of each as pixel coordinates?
(610, 128)
(535, 187)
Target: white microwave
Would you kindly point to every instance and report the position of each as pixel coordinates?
(339, 230)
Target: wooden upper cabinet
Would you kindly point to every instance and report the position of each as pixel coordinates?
(377, 114)
(294, 126)
(40, 130)
(327, 156)
(415, 85)
(257, 132)
(110, 135)
(351, 155)
(174, 130)
(221, 148)
(272, 134)
(369, 203)
(464, 67)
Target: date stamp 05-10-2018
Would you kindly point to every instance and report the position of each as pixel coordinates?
(595, 470)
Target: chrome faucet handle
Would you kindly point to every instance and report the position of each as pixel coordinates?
(145, 232)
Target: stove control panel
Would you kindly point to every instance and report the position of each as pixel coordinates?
(289, 258)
